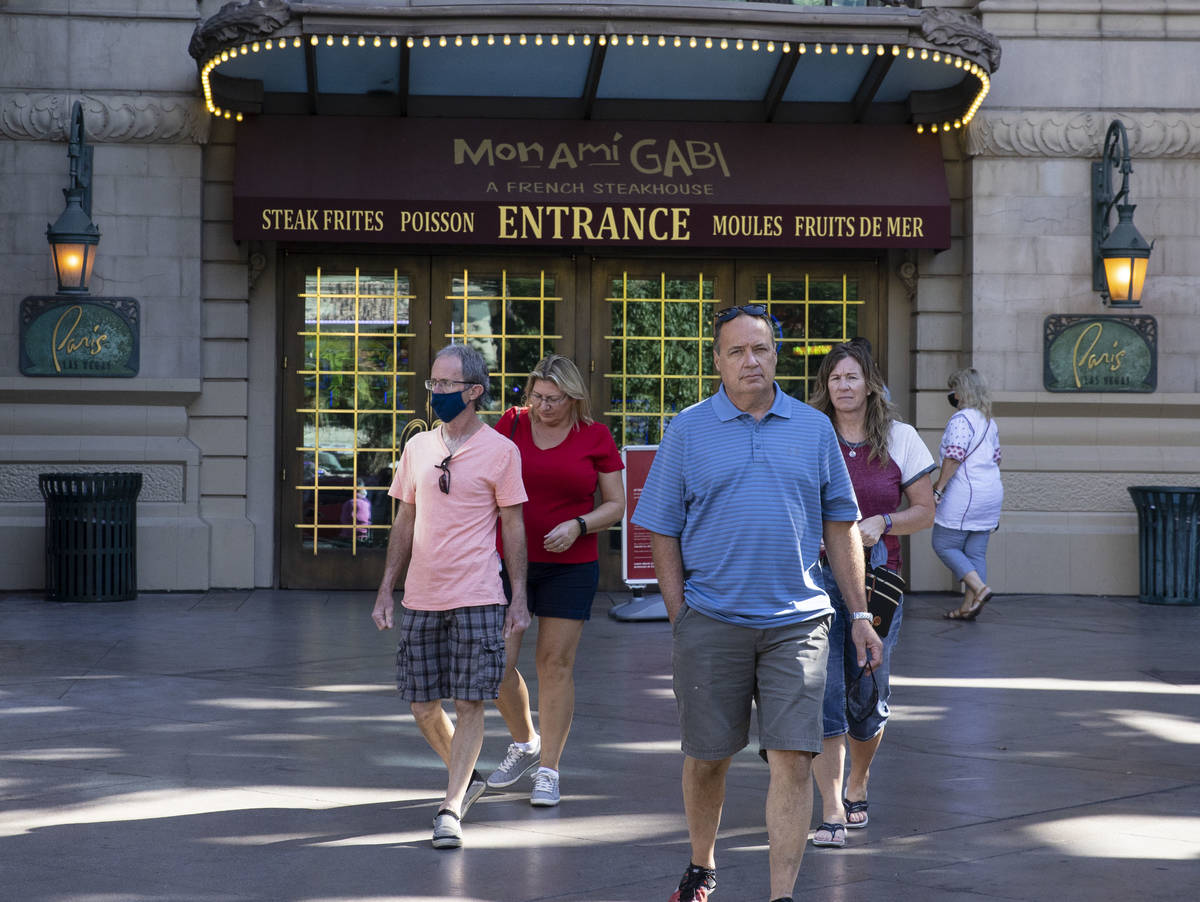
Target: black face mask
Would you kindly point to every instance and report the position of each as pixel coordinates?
(953, 399)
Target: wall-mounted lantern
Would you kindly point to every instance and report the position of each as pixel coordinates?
(73, 237)
(1119, 255)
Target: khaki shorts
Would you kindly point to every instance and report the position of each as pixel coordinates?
(720, 668)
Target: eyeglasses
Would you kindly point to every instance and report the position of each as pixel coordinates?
(724, 316)
(444, 479)
(535, 398)
(441, 386)
(860, 704)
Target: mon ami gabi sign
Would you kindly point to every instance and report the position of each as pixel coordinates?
(567, 183)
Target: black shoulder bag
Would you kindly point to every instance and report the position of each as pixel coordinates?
(885, 588)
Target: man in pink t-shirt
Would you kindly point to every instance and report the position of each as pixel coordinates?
(451, 484)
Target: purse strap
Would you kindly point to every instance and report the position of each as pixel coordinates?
(987, 424)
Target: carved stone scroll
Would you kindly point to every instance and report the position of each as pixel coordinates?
(953, 28)
(237, 23)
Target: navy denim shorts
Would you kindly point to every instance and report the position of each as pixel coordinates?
(558, 590)
(843, 671)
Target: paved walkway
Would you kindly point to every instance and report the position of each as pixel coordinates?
(249, 746)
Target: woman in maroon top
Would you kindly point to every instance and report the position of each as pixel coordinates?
(565, 458)
(889, 466)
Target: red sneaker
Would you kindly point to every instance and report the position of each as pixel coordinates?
(696, 886)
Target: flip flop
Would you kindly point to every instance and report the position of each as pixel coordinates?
(980, 600)
(837, 836)
(974, 610)
(859, 807)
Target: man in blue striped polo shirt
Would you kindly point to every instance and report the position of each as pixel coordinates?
(743, 489)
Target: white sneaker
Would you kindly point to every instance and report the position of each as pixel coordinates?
(516, 764)
(545, 789)
(447, 831)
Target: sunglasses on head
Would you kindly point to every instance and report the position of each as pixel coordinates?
(725, 315)
(728, 313)
(444, 479)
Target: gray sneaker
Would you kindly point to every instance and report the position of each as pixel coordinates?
(545, 790)
(477, 787)
(447, 831)
(516, 764)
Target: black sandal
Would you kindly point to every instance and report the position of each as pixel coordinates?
(837, 836)
(859, 807)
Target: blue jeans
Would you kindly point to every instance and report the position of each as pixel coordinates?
(843, 671)
(961, 551)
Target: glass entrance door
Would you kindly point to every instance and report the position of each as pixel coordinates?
(654, 323)
(359, 334)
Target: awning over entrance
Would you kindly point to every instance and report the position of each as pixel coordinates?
(571, 184)
(704, 60)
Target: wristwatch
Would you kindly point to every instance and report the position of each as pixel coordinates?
(862, 615)
(582, 526)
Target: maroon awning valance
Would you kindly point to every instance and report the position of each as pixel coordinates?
(587, 184)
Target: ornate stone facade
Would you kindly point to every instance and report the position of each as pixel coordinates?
(1072, 133)
(110, 118)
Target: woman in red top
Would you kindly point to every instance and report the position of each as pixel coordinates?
(565, 458)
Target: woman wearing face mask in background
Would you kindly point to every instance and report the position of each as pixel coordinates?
(968, 491)
(565, 457)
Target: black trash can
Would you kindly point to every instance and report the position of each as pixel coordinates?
(91, 535)
(1168, 543)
